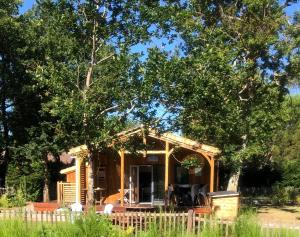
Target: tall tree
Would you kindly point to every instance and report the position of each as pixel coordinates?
(88, 79)
(228, 82)
(18, 105)
(286, 147)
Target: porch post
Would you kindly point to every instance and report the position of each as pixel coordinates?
(122, 154)
(78, 183)
(167, 170)
(212, 174)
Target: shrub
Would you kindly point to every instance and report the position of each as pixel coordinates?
(13, 199)
(17, 199)
(284, 195)
(4, 201)
(94, 225)
(280, 195)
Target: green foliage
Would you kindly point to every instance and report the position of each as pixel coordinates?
(27, 175)
(4, 201)
(95, 226)
(13, 199)
(282, 195)
(89, 80)
(226, 87)
(286, 148)
(69, 75)
(192, 161)
(17, 199)
(79, 77)
(91, 225)
(247, 226)
(294, 57)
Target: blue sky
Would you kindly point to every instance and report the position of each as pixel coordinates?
(27, 4)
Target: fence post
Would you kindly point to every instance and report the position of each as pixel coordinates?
(58, 191)
(183, 223)
(199, 222)
(226, 229)
(51, 217)
(141, 222)
(160, 221)
(190, 221)
(25, 217)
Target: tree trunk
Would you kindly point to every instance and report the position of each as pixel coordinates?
(3, 171)
(234, 181)
(88, 82)
(235, 176)
(4, 153)
(90, 193)
(46, 196)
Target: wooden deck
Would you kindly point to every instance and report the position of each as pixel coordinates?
(153, 208)
(52, 206)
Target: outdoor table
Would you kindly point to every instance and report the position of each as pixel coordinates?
(100, 190)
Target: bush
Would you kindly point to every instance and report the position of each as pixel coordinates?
(284, 195)
(298, 199)
(94, 225)
(18, 199)
(280, 195)
(13, 199)
(4, 201)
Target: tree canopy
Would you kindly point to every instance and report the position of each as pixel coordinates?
(69, 75)
(229, 84)
(287, 143)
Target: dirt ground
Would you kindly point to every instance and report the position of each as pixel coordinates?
(280, 216)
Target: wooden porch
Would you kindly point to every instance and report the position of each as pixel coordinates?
(144, 176)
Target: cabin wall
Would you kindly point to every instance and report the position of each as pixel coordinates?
(71, 177)
(107, 173)
(108, 165)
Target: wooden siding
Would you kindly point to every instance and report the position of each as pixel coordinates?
(111, 162)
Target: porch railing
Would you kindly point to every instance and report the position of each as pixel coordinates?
(66, 192)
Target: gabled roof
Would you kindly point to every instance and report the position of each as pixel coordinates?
(167, 136)
(186, 143)
(70, 169)
(175, 140)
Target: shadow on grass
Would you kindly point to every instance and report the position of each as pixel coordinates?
(289, 210)
(260, 211)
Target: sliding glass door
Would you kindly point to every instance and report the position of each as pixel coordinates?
(146, 183)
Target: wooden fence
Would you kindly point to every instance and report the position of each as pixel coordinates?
(186, 222)
(66, 192)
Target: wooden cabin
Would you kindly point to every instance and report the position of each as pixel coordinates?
(143, 176)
